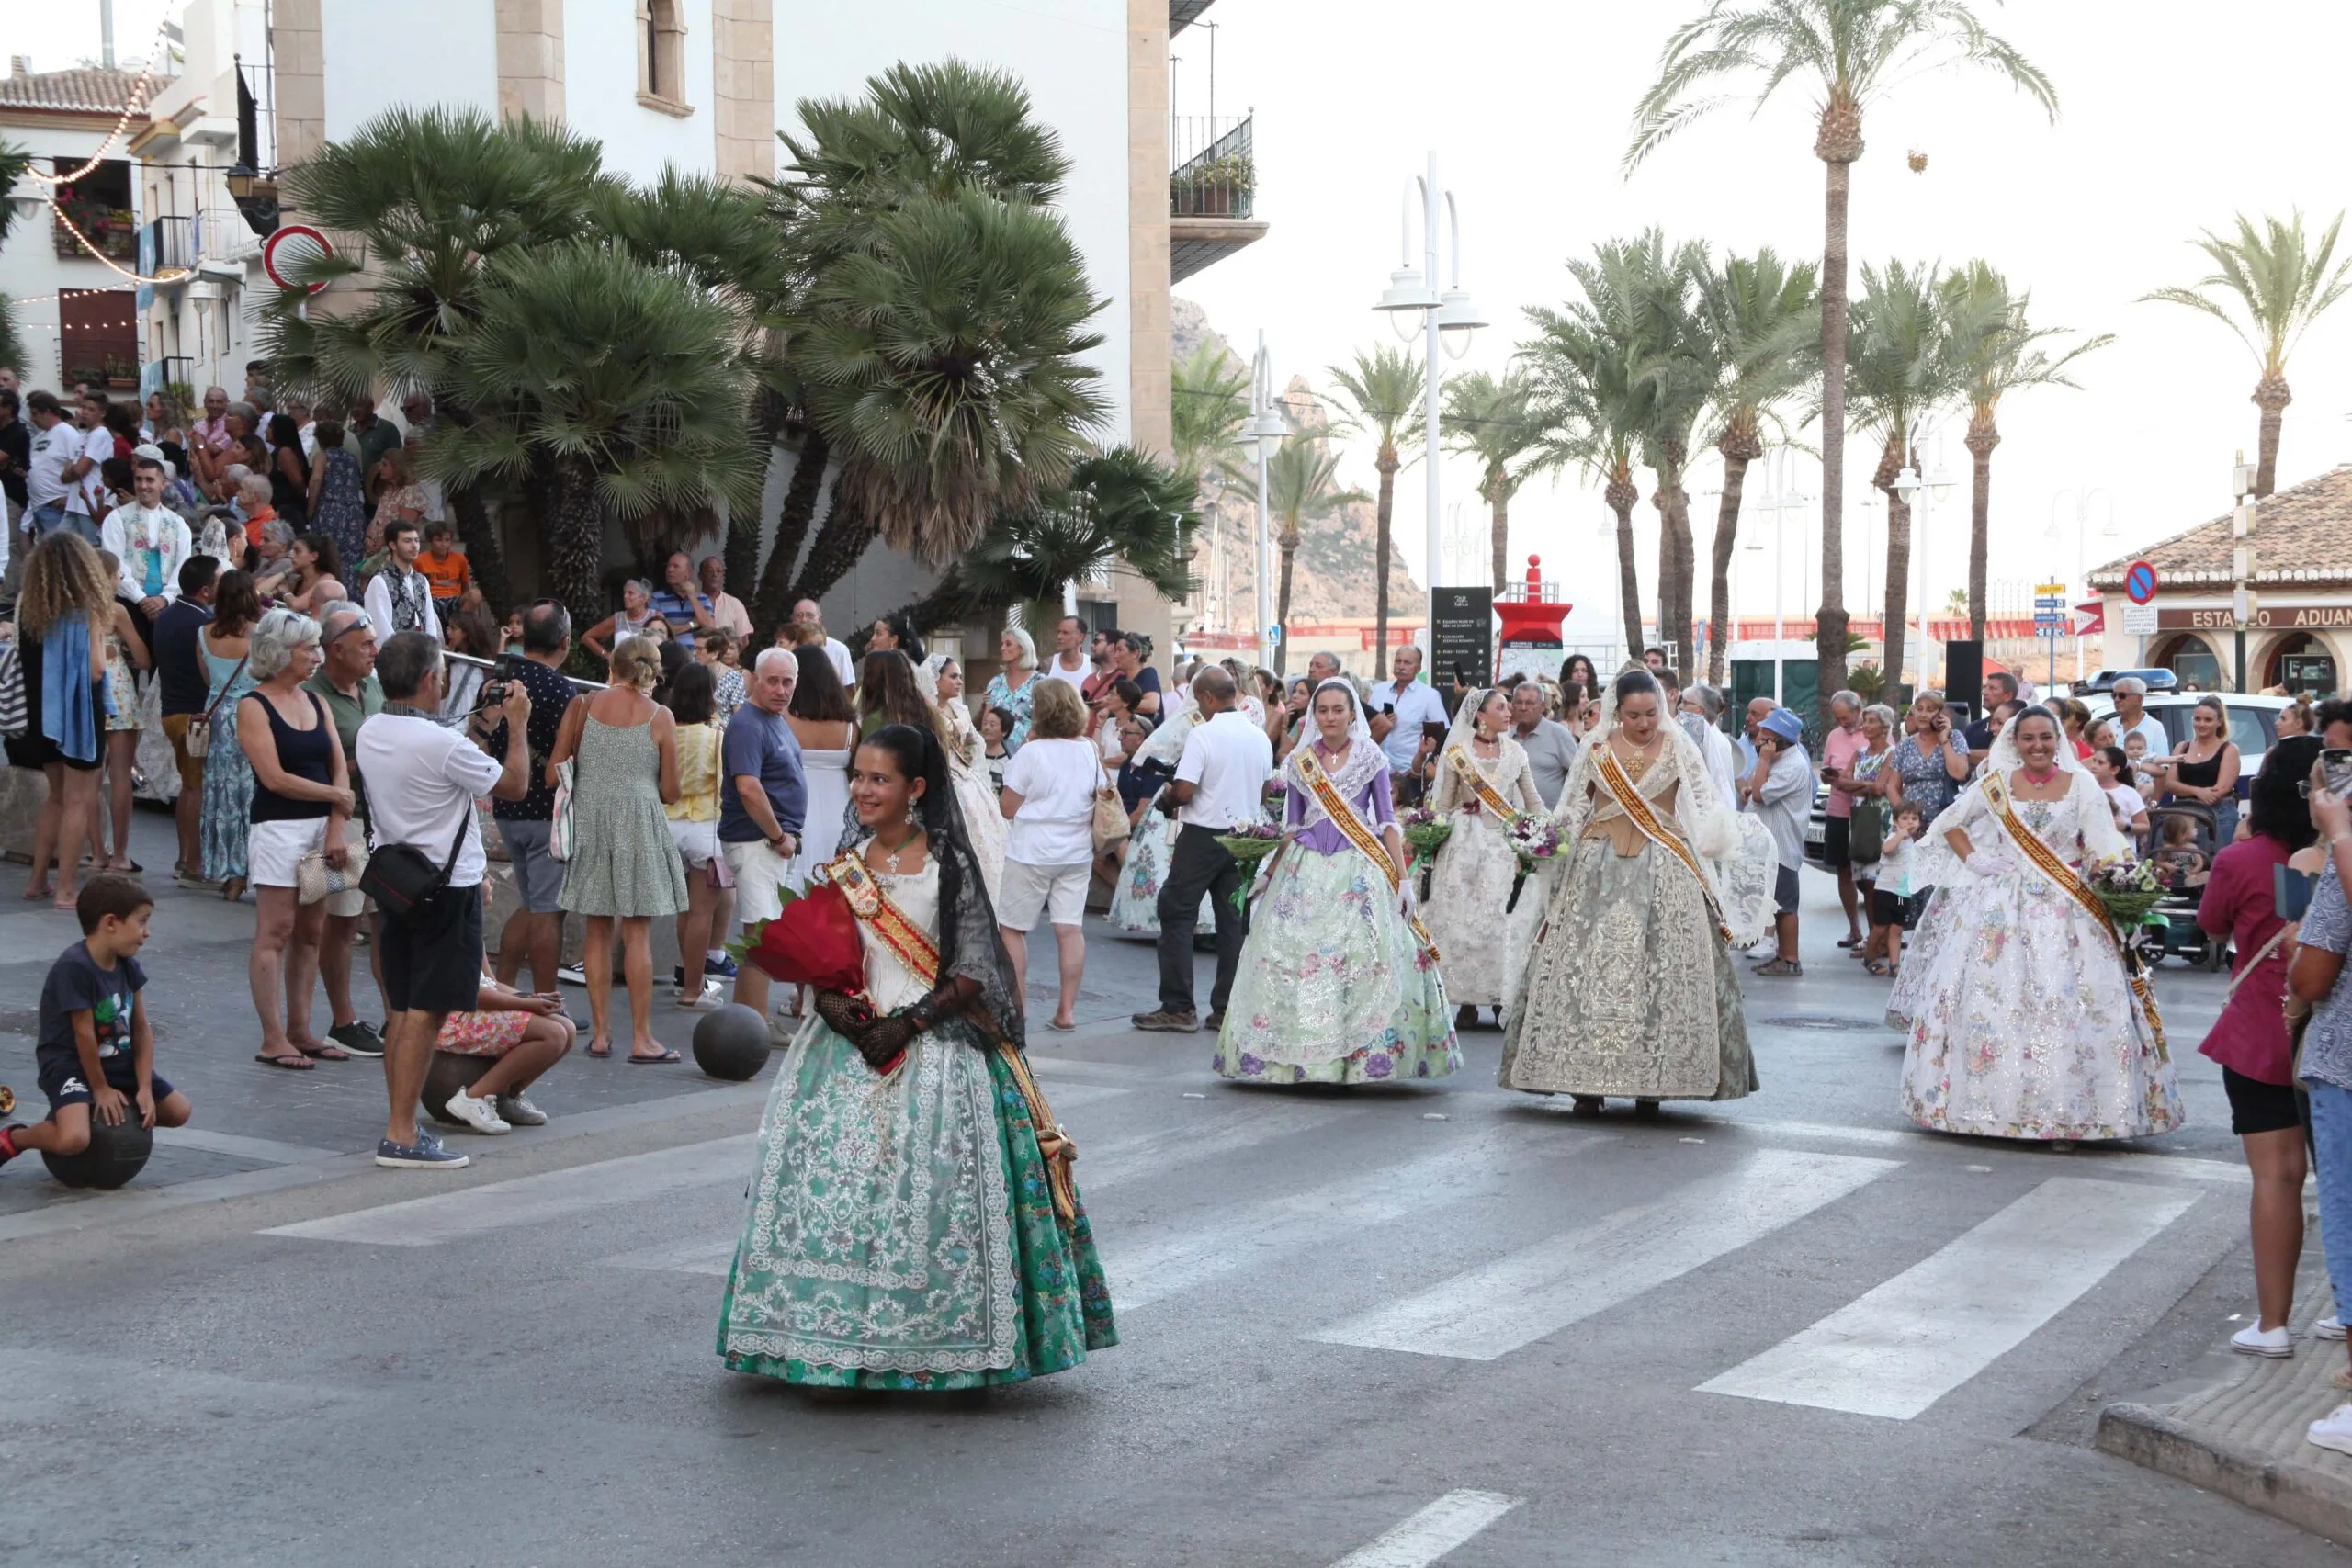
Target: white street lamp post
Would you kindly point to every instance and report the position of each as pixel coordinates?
(1263, 429)
(1781, 495)
(1446, 319)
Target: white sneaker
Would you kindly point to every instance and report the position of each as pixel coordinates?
(2256, 1340)
(2331, 1328)
(2332, 1430)
(572, 974)
(519, 1112)
(482, 1115)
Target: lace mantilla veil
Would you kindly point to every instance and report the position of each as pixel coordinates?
(1365, 757)
(1935, 864)
(1736, 851)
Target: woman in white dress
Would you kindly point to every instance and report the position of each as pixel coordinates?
(1483, 785)
(1629, 990)
(975, 792)
(1335, 984)
(821, 721)
(2025, 1019)
(1134, 900)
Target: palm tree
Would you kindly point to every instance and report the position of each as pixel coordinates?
(1849, 52)
(616, 380)
(1379, 395)
(1684, 368)
(1299, 486)
(1592, 401)
(2282, 282)
(1764, 315)
(1908, 359)
(1494, 419)
(1996, 363)
(1209, 399)
(14, 161)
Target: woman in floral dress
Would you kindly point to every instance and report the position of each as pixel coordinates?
(336, 507)
(1470, 886)
(1335, 986)
(1013, 687)
(913, 1222)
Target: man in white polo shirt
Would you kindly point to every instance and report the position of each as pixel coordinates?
(1220, 783)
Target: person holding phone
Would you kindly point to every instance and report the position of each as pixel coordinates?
(1930, 763)
(1401, 710)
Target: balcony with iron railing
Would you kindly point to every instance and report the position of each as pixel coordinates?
(167, 244)
(1212, 191)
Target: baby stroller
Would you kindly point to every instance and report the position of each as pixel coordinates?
(2182, 843)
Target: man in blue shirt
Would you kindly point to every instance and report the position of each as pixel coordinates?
(681, 601)
(763, 804)
(1399, 709)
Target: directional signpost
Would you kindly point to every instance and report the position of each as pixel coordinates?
(2052, 619)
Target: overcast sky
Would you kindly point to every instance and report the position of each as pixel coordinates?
(2170, 122)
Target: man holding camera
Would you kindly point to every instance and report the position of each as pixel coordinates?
(1401, 708)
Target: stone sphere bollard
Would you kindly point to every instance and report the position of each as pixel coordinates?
(116, 1154)
(449, 1073)
(732, 1042)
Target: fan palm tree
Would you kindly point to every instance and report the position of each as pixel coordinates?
(1378, 395)
(14, 161)
(1592, 401)
(1908, 358)
(615, 379)
(918, 132)
(1764, 315)
(1493, 419)
(1299, 486)
(1851, 53)
(1996, 362)
(2281, 283)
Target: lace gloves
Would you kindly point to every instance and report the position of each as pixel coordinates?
(881, 1041)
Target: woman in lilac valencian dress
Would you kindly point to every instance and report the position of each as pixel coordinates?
(1338, 984)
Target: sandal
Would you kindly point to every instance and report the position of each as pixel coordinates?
(600, 1055)
(664, 1057)
(1852, 941)
(329, 1053)
(1878, 966)
(297, 1062)
(1780, 969)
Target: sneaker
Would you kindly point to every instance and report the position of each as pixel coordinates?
(482, 1115)
(1215, 1021)
(572, 974)
(719, 964)
(2328, 1328)
(359, 1039)
(2256, 1340)
(1166, 1023)
(2332, 1430)
(426, 1154)
(520, 1111)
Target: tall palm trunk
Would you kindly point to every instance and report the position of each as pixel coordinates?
(1740, 447)
(1983, 436)
(1838, 145)
(772, 601)
(1686, 575)
(847, 530)
(1384, 541)
(2270, 395)
(1287, 542)
(485, 553)
(1497, 491)
(1899, 564)
(575, 541)
(1621, 496)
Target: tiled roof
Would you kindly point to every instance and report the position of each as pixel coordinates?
(74, 92)
(2303, 535)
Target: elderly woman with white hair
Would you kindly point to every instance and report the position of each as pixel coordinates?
(301, 804)
(1014, 687)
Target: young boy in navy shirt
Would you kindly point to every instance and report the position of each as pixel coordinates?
(97, 1052)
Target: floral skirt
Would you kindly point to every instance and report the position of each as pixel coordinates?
(1469, 886)
(1333, 988)
(228, 800)
(1135, 902)
(901, 1233)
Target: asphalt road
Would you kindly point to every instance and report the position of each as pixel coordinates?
(1384, 1327)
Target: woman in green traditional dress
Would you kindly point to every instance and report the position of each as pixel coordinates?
(912, 1222)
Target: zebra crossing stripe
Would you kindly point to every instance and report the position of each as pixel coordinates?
(1433, 1532)
(1896, 1350)
(1489, 1312)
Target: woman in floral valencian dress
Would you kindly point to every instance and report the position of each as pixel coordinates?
(1134, 900)
(2023, 1020)
(1336, 985)
(913, 1223)
(1483, 782)
(1629, 990)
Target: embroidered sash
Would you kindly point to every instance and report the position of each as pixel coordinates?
(912, 946)
(1468, 766)
(1637, 810)
(2045, 860)
(1359, 833)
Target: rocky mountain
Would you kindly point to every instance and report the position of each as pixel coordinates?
(1332, 576)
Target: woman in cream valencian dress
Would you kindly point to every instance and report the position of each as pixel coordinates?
(1629, 990)
(1483, 783)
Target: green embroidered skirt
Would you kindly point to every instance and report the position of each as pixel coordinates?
(902, 1235)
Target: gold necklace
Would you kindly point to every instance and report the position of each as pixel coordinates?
(1639, 762)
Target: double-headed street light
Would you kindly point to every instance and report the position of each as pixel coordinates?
(1906, 484)
(1265, 428)
(1447, 320)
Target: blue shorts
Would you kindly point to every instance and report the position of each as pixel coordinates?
(61, 1078)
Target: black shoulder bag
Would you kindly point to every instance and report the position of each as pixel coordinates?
(401, 877)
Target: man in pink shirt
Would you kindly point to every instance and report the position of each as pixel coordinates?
(212, 432)
(1840, 748)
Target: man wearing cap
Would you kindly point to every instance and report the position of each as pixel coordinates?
(1782, 795)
